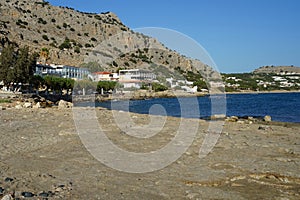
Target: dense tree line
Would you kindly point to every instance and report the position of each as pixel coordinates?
(157, 87)
(106, 86)
(17, 66)
(57, 84)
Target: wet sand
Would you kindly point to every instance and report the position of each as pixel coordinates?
(42, 152)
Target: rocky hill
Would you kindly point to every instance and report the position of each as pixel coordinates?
(63, 35)
(278, 70)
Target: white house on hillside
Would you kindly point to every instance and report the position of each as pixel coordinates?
(63, 71)
(135, 77)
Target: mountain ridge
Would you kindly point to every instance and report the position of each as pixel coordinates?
(62, 35)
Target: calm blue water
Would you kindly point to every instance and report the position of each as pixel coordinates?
(283, 107)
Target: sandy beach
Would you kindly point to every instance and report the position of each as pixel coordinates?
(42, 157)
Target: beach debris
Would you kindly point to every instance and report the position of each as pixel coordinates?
(267, 118)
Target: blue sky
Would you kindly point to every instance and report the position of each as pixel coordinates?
(239, 35)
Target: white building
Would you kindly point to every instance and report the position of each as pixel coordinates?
(63, 71)
(178, 83)
(135, 77)
(105, 76)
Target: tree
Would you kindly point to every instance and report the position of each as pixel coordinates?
(66, 44)
(21, 66)
(58, 84)
(37, 82)
(16, 67)
(158, 87)
(106, 86)
(84, 85)
(7, 63)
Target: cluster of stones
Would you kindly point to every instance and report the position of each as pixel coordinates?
(35, 103)
(56, 191)
(247, 120)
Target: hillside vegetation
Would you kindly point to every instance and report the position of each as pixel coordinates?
(62, 35)
(264, 79)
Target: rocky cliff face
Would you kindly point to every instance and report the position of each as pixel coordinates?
(65, 36)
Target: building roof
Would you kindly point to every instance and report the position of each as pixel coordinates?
(102, 73)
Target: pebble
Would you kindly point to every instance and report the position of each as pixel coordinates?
(7, 197)
(264, 128)
(192, 195)
(7, 179)
(18, 107)
(1, 190)
(44, 194)
(27, 194)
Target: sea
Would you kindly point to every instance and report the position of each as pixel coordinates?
(282, 107)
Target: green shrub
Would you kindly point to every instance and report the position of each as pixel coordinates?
(45, 37)
(77, 49)
(41, 21)
(5, 101)
(158, 87)
(97, 17)
(106, 85)
(65, 25)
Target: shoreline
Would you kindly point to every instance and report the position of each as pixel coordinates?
(265, 92)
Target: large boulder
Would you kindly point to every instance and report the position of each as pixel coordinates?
(232, 119)
(37, 105)
(267, 118)
(19, 106)
(7, 197)
(27, 105)
(64, 104)
(217, 117)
